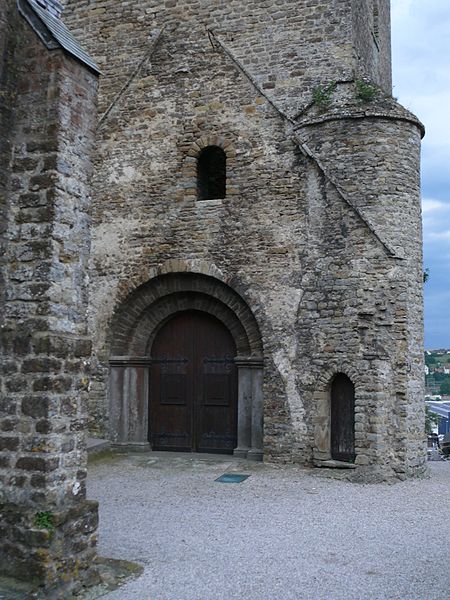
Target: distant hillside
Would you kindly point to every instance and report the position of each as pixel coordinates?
(437, 380)
(434, 357)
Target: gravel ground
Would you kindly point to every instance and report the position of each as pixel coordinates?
(284, 533)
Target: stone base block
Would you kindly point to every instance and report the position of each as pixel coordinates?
(334, 464)
(255, 455)
(52, 550)
(240, 452)
(131, 447)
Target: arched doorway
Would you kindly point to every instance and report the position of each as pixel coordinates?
(343, 419)
(193, 386)
(140, 332)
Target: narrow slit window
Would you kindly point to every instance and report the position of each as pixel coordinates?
(211, 173)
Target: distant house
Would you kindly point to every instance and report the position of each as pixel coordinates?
(427, 370)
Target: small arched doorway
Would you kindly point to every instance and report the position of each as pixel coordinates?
(193, 385)
(343, 419)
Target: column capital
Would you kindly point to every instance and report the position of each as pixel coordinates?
(251, 362)
(130, 361)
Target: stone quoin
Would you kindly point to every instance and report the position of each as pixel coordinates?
(48, 97)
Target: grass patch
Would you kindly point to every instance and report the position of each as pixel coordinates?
(44, 520)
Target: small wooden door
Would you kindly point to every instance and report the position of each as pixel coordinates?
(343, 419)
(193, 386)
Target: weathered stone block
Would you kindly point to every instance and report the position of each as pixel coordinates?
(35, 463)
(36, 406)
(44, 426)
(41, 365)
(9, 443)
(57, 385)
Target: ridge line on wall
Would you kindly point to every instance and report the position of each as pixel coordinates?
(252, 80)
(148, 54)
(304, 147)
(341, 192)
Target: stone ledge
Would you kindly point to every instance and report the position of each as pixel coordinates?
(95, 445)
(334, 464)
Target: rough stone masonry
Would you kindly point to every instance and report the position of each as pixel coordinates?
(314, 251)
(47, 119)
(305, 246)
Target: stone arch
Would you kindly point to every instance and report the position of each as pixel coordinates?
(150, 301)
(128, 286)
(133, 329)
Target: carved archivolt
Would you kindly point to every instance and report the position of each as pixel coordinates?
(152, 303)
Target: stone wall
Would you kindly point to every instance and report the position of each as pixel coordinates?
(47, 527)
(6, 117)
(288, 47)
(372, 41)
(319, 232)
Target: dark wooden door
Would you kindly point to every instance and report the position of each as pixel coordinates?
(343, 419)
(193, 386)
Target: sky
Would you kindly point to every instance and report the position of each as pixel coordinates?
(421, 76)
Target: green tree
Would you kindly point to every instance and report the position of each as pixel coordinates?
(445, 387)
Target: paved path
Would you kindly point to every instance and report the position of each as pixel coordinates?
(283, 534)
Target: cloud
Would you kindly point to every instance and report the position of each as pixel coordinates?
(436, 219)
(421, 75)
(440, 235)
(401, 9)
(430, 205)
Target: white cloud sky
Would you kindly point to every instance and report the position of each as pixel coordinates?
(421, 74)
(440, 235)
(431, 206)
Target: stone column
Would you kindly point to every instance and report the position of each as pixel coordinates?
(118, 414)
(128, 393)
(244, 429)
(321, 449)
(256, 452)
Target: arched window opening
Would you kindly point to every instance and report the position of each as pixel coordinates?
(343, 419)
(211, 173)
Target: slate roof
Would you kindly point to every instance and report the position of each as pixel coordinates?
(53, 32)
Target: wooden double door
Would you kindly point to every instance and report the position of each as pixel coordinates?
(193, 386)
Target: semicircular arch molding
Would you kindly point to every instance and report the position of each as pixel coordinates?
(151, 304)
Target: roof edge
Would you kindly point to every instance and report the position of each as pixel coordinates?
(53, 33)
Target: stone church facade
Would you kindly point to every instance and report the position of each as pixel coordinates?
(252, 165)
(308, 251)
(250, 258)
(238, 271)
